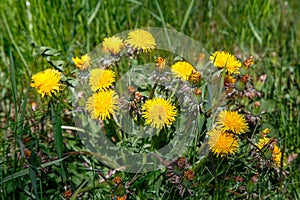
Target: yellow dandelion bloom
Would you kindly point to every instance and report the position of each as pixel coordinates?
(265, 132)
(101, 79)
(276, 152)
(182, 70)
(232, 121)
(222, 143)
(262, 142)
(276, 155)
(159, 112)
(222, 59)
(82, 63)
(141, 39)
(46, 82)
(112, 45)
(102, 104)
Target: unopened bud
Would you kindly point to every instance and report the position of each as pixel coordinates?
(195, 77)
(248, 62)
(197, 91)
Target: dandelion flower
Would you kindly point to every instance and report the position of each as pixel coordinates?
(265, 132)
(262, 142)
(102, 104)
(222, 59)
(112, 45)
(141, 39)
(46, 82)
(232, 121)
(101, 79)
(82, 63)
(158, 112)
(182, 70)
(276, 152)
(222, 143)
(276, 155)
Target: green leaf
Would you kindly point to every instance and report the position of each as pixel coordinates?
(13, 81)
(11, 36)
(26, 171)
(255, 32)
(57, 131)
(48, 51)
(186, 16)
(91, 18)
(32, 174)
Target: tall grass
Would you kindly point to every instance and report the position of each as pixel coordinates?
(267, 29)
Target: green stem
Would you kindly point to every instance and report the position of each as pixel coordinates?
(175, 89)
(153, 90)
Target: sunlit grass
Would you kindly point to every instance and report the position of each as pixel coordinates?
(39, 35)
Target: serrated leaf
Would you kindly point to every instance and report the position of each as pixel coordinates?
(48, 51)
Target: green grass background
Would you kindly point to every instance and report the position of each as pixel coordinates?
(267, 29)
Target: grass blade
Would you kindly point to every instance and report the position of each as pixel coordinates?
(56, 123)
(94, 13)
(13, 81)
(26, 69)
(163, 22)
(26, 171)
(57, 131)
(186, 16)
(32, 175)
(256, 34)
